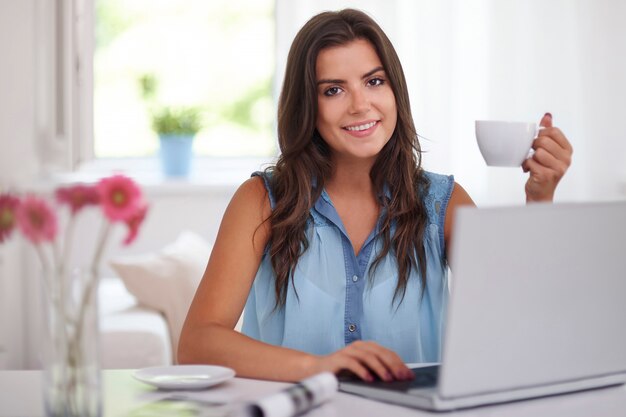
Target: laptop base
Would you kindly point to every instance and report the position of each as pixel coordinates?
(429, 398)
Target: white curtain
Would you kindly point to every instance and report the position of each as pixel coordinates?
(511, 60)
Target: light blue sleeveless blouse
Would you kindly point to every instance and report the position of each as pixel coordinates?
(338, 302)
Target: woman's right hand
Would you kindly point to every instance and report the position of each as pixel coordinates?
(364, 358)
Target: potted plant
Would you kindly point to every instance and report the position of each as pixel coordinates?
(176, 128)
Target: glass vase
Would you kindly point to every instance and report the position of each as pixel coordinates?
(72, 381)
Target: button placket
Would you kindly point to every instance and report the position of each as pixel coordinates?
(356, 267)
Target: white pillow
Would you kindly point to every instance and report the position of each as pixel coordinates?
(167, 280)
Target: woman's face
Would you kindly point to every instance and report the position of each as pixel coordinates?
(356, 105)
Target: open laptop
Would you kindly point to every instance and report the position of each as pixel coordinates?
(537, 308)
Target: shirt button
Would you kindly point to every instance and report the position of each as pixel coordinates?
(355, 278)
(352, 327)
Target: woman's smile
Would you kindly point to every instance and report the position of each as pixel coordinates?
(362, 129)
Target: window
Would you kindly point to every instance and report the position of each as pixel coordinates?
(217, 56)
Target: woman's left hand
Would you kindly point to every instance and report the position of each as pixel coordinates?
(552, 158)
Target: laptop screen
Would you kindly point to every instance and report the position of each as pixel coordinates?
(537, 297)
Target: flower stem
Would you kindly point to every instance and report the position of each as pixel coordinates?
(46, 269)
(92, 281)
(56, 256)
(104, 234)
(67, 247)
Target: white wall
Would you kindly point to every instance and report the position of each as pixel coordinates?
(514, 60)
(603, 89)
(17, 165)
(17, 94)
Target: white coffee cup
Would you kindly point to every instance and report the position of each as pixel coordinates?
(505, 144)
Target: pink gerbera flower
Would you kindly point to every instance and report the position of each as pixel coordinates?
(78, 196)
(120, 197)
(36, 220)
(8, 208)
(134, 222)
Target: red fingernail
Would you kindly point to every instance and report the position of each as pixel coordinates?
(548, 114)
(369, 378)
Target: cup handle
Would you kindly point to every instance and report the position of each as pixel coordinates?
(531, 151)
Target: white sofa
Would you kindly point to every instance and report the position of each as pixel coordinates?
(142, 312)
(131, 336)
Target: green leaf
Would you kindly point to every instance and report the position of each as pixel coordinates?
(177, 120)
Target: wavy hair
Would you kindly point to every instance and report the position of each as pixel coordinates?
(303, 167)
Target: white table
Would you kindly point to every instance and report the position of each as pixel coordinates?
(20, 396)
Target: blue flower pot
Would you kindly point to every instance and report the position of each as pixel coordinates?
(176, 153)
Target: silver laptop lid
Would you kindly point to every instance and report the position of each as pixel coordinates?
(538, 297)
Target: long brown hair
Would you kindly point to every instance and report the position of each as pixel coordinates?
(304, 164)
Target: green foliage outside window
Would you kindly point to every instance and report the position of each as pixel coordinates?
(210, 67)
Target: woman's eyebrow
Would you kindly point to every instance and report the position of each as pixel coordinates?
(339, 81)
(372, 72)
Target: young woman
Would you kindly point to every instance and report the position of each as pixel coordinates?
(338, 252)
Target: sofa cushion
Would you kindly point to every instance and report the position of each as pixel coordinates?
(166, 280)
(131, 336)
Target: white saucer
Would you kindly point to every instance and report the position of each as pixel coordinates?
(184, 376)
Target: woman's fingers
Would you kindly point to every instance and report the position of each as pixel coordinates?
(551, 146)
(366, 359)
(550, 165)
(388, 359)
(356, 367)
(555, 134)
(548, 144)
(342, 361)
(372, 360)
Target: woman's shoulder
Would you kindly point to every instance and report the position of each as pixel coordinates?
(253, 186)
(264, 180)
(266, 175)
(252, 195)
(439, 188)
(436, 201)
(438, 180)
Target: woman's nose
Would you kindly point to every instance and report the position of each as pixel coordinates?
(359, 102)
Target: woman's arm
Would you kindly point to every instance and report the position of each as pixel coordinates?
(208, 336)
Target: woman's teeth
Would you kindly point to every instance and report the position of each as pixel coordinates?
(360, 127)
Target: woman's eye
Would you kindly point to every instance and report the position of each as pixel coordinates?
(332, 91)
(376, 82)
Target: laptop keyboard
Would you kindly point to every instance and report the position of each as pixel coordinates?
(425, 377)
